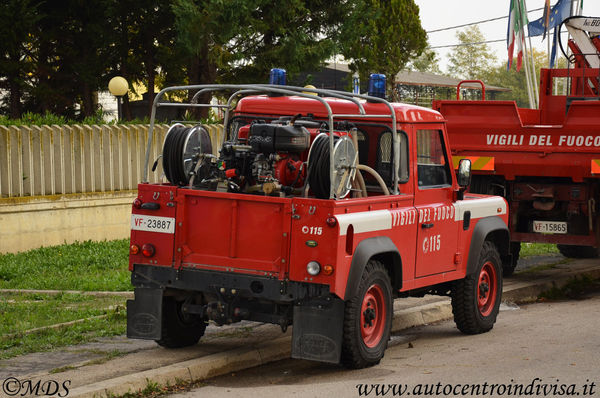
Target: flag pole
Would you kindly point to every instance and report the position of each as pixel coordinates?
(533, 68)
(521, 37)
(549, 60)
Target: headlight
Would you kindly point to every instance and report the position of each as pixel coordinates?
(313, 268)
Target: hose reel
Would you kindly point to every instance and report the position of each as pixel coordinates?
(344, 169)
(182, 150)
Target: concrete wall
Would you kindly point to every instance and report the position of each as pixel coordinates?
(28, 223)
(72, 183)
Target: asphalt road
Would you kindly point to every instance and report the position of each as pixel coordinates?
(543, 349)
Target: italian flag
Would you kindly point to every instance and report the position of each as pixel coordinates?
(517, 19)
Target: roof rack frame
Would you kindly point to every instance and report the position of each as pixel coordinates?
(257, 89)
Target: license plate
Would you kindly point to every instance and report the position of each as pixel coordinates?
(164, 225)
(550, 227)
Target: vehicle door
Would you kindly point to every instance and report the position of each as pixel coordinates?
(437, 238)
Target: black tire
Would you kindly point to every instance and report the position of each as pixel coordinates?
(508, 266)
(578, 251)
(178, 329)
(476, 298)
(365, 339)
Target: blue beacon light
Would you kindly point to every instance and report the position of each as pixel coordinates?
(277, 76)
(377, 85)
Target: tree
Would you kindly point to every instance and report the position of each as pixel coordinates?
(298, 37)
(71, 50)
(144, 42)
(16, 56)
(516, 81)
(472, 57)
(428, 61)
(381, 36)
(239, 41)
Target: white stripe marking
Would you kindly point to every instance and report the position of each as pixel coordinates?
(480, 207)
(365, 221)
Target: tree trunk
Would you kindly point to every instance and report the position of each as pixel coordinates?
(202, 71)
(14, 109)
(87, 106)
(151, 83)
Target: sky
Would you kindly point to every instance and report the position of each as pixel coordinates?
(437, 14)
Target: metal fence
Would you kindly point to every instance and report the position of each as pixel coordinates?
(56, 160)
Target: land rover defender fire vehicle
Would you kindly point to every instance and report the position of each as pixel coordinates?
(314, 210)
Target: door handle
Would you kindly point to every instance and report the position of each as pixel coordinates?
(426, 226)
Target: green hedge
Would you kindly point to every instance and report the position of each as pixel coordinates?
(36, 119)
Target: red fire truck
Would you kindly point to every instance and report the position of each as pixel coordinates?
(320, 208)
(546, 161)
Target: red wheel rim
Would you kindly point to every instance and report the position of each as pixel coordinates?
(373, 313)
(486, 289)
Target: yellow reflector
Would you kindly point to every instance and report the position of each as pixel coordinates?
(477, 162)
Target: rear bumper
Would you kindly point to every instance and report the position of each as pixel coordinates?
(246, 286)
(317, 315)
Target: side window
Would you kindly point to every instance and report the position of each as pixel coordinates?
(432, 164)
(385, 157)
(363, 147)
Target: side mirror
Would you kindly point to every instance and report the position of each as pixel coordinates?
(464, 173)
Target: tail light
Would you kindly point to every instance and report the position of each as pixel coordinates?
(137, 203)
(148, 250)
(134, 249)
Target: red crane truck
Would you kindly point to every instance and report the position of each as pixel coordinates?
(281, 227)
(546, 161)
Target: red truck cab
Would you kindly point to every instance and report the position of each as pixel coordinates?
(320, 208)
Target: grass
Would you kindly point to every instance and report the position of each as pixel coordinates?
(85, 266)
(154, 390)
(20, 313)
(537, 249)
(88, 266)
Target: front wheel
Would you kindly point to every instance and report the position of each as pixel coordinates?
(476, 298)
(368, 319)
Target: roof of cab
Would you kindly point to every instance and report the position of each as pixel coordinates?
(292, 105)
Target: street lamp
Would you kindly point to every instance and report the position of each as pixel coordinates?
(118, 87)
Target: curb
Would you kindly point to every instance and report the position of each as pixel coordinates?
(192, 370)
(527, 292)
(195, 370)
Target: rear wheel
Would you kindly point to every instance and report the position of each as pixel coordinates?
(179, 329)
(368, 319)
(578, 251)
(476, 298)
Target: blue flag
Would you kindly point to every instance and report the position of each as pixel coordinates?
(560, 12)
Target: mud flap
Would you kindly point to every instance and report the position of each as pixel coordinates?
(144, 314)
(318, 329)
